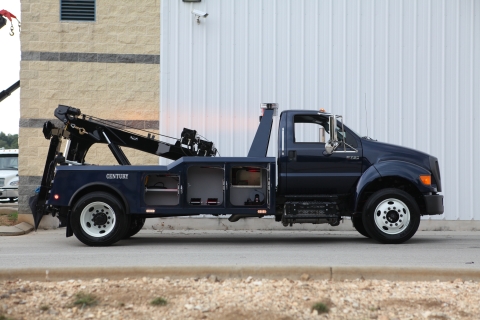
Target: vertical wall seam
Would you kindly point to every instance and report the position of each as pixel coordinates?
(289, 49)
(219, 83)
(344, 59)
(317, 57)
(457, 98)
(232, 81)
(429, 75)
(177, 78)
(373, 72)
(472, 65)
(204, 84)
(387, 30)
(443, 86)
(275, 51)
(247, 89)
(415, 43)
(400, 93)
(330, 57)
(190, 64)
(359, 95)
(302, 76)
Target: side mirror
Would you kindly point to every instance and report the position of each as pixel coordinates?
(332, 144)
(330, 147)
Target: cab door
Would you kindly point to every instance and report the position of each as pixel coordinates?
(309, 169)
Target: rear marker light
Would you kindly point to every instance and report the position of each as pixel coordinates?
(56, 197)
(150, 211)
(426, 179)
(261, 211)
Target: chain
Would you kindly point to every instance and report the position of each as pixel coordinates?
(12, 33)
(80, 130)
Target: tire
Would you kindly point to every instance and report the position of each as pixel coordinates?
(136, 224)
(391, 216)
(358, 225)
(98, 219)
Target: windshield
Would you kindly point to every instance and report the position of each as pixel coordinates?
(9, 162)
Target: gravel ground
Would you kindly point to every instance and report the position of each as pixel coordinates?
(250, 298)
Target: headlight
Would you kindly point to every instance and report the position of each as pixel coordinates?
(14, 183)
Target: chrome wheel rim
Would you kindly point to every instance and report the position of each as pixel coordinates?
(392, 216)
(97, 219)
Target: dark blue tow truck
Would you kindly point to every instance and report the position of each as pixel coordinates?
(325, 172)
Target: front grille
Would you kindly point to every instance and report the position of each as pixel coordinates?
(436, 173)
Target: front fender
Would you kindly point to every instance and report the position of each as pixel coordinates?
(370, 175)
(391, 168)
(406, 170)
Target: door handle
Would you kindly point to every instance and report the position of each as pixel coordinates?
(292, 155)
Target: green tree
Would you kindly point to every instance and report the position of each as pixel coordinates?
(8, 141)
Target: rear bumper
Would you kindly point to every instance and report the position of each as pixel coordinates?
(433, 204)
(8, 193)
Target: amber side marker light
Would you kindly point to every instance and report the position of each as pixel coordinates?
(426, 179)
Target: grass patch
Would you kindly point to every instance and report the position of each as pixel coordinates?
(159, 302)
(321, 307)
(85, 299)
(2, 317)
(13, 216)
(44, 307)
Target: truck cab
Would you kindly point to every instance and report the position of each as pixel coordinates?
(384, 188)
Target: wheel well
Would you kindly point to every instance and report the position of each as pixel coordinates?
(98, 187)
(391, 182)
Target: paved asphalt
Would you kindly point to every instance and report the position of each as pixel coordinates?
(150, 248)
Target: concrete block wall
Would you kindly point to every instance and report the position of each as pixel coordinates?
(108, 68)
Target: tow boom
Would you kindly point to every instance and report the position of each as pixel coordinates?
(82, 131)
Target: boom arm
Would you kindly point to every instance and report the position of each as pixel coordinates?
(83, 131)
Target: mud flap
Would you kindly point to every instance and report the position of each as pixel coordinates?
(37, 211)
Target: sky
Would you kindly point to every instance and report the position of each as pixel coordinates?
(10, 69)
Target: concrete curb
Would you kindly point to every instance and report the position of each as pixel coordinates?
(318, 273)
(17, 230)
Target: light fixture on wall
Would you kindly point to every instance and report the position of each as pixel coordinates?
(199, 14)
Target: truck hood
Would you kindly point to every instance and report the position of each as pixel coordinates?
(8, 175)
(376, 152)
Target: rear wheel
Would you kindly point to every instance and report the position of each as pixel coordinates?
(136, 224)
(98, 219)
(391, 216)
(358, 225)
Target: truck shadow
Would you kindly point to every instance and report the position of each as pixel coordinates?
(256, 240)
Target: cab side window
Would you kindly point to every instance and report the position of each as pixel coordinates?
(315, 129)
(310, 129)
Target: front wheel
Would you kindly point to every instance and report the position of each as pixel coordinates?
(98, 219)
(391, 216)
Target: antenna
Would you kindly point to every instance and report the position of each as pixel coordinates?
(366, 115)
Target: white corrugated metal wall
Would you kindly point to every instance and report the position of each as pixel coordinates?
(409, 71)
